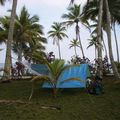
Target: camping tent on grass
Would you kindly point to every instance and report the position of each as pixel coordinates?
(81, 71)
(40, 69)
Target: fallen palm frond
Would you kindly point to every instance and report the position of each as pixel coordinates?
(37, 80)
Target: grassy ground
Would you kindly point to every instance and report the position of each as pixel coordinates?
(75, 104)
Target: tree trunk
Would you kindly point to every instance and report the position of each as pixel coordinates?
(55, 92)
(20, 53)
(78, 38)
(115, 71)
(7, 67)
(116, 43)
(81, 46)
(104, 45)
(95, 53)
(75, 51)
(99, 69)
(59, 49)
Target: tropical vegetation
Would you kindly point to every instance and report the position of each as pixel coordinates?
(23, 34)
(8, 61)
(105, 10)
(57, 33)
(74, 17)
(56, 69)
(74, 43)
(26, 34)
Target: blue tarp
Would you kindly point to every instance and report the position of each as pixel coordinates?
(81, 71)
(40, 68)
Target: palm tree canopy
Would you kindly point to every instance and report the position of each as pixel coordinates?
(93, 41)
(2, 2)
(90, 10)
(74, 43)
(56, 68)
(28, 25)
(1, 49)
(57, 32)
(4, 26)
(28, 32)
(74, 16)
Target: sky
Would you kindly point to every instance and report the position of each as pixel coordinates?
(51, 11)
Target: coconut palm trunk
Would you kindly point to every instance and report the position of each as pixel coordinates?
(7, 67)
(57, 33)
(116, 41)
(2, 2)
(75, 50)
(105, 48)
(100, 67)
(115, 71)
(96, 52)
(19, 55)
(58, 44)
(104, 45)
(78, 38)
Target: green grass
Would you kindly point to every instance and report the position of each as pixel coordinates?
(75, 104)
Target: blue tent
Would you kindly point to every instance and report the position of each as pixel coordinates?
(40, 68)
(81, 71)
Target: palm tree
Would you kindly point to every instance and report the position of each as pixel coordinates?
(3, 30)
(109, 40)
(74, 17)
(2, 2)
(74, 43)
(28, 33)
(93, 41)
(56, 69)
(116, 41)
(94, 33)
(57, 33)
(4, 25)
(91, 12)
(37, 46)
(7, 67)
(115, 19)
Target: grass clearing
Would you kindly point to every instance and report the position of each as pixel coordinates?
(75, 104)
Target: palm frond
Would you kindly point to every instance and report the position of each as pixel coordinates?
(72, 79)
(1, 49)
(40, 79)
